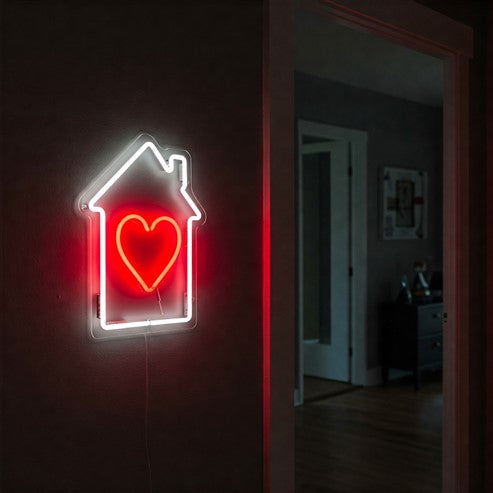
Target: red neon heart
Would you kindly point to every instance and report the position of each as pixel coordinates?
(167, 260)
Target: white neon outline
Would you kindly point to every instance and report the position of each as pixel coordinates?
(168, 167)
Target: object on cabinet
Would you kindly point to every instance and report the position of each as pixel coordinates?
(436, 286)
(405, 295)
(421, 289)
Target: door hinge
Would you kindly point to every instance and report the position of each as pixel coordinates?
(350, 352)
(350, 171)
(350, 272)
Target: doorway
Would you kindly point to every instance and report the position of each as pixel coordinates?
(364, 83)
(331, 254)
(418, 27)
(323, 229)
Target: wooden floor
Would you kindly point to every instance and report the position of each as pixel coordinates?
(318, 388)
(370, 440)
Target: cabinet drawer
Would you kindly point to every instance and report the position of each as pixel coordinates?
(430, 350)
(429, 320)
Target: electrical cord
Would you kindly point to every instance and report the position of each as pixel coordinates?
(158, 295)
(146, 418)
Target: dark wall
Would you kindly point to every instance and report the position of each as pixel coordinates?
(80, 80)
(488, 399)
(401, 134)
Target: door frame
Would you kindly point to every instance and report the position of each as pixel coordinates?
(356, 141)
(423, 29)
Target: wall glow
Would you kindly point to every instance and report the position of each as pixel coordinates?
(143, 216)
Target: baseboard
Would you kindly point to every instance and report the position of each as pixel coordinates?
(394, 373)
(373, 376)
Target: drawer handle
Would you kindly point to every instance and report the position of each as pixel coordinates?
(437, 344)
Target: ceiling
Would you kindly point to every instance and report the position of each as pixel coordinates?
(335, 52)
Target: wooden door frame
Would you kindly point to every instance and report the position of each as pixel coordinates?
(423, 29)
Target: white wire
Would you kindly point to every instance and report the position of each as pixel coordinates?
(158, 294)
(146, 418)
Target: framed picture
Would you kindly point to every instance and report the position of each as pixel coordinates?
(404, 204)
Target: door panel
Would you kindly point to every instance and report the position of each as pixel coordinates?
(324, 226)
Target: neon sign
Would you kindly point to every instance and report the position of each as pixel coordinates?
(143, 218)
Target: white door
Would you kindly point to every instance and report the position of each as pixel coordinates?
(324, 256)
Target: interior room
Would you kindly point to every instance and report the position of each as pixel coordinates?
(367, 109)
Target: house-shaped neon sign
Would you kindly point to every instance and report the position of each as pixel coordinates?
(142, 256)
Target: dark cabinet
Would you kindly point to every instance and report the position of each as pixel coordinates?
(412, 338)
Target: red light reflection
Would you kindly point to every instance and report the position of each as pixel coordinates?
(144, 249)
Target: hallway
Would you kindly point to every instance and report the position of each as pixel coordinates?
(373, 439)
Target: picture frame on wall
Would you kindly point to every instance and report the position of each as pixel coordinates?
(404, 204)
